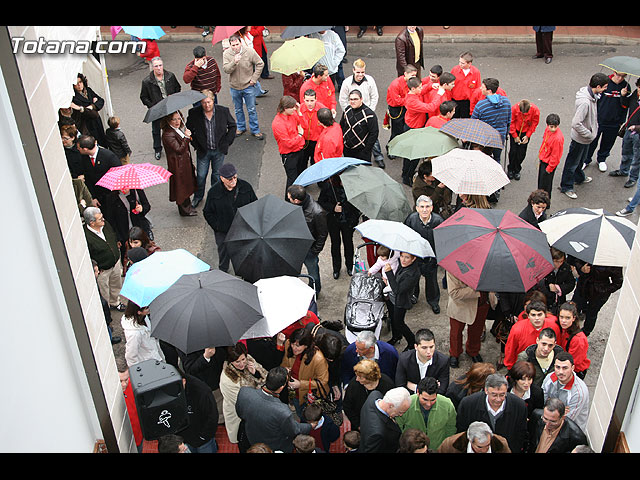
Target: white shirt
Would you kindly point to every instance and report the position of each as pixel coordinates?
(423, 366)
(100, 232)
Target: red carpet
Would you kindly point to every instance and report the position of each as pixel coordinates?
(225, 446)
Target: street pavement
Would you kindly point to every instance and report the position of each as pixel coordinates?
(551, 87)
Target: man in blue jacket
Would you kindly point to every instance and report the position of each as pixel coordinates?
(494, 110)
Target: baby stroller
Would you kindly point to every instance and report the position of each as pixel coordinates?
(365, 308)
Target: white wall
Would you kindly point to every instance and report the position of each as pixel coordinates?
(45, 405)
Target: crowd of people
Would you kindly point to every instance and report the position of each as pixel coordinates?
(292, 392)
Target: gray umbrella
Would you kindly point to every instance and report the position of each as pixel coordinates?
(208, 309)
(298, 31)
(173, 103)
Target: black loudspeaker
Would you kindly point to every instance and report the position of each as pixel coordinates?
(160, 398)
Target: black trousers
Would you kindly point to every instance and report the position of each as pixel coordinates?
(463, 109)
(517, 152)
(545, 179)
(294, 163)
(399, 328)
(544, 44)
(340, 234)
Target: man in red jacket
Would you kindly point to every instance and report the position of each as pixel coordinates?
(525, 332)
(468, 79)
(312, 128)
(322, 84)
(330, 143)
(525, 117)
(123, 372)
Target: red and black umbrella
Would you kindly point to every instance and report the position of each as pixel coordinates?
(492, 250)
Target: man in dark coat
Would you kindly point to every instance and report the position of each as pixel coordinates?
(379, 433)
(265, 418)
(316, 218)
(159, 84)
(423, 361)
(95, 162)
(406, 49)
(213, 130)
(545, 348)
(423, 221)
(367, 346)
(550, 431)
(202, 412)
(223, 200)
(359, 128)
(503, 411)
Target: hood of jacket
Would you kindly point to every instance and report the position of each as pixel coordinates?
(496, 100)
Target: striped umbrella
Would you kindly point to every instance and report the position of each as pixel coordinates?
(473, 130)
(591, 235)
(492, 250)
(471, 172)
(134, 176)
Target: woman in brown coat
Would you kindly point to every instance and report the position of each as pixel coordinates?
(307, 366)
(182, 183)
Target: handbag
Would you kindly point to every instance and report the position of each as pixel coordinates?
(328, 406)
(623, 129)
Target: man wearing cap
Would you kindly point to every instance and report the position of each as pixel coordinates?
(223, 199)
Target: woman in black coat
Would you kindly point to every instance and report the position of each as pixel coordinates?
(342, 218)
(520, 379)
(536, 209)
(127, 209)
(86, 105)
(558, 283)
(403, 282)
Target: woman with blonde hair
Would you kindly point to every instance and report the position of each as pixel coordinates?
(368, 378)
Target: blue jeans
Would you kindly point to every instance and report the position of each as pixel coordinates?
(634, 201)
(209, 447)
(312, 262)
(213, 158)
(572, 172)
(245, 97)
(630, 163)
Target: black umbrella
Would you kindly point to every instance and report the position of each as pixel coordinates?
(268, 238)
(173, 103)
(208, 309)
(299, 31)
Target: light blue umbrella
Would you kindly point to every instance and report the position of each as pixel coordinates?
(150, 33)
(326, 168)
(148, 278)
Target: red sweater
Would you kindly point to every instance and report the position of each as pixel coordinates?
(524, 122)
(578, 348)
(436, 122)
(522, 335)
(325, 92)
(309, 121)
(285, 131)
(551, 149)
(416, 115)
(397, 92)
(330, 143)
(465, 84)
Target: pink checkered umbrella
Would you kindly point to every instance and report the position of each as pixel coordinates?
(134, 176)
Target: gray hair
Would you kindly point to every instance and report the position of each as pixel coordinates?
(89, 214)
(367, 337)
(396, 397)
(479, 431)
(424, 198)
(496, 380)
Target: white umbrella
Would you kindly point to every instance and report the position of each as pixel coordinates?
(283, 300)
(592, 235)
(396, 236)
(471, 172)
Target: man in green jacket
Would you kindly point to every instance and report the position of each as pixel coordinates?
(430, 412)
(104, 248)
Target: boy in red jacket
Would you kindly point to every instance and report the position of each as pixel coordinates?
(468, 79)
(330, 143)
(550, 152)
(525, 117)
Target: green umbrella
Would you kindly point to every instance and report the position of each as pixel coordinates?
(375, 193)
(296, 55)
(623, 64)
(421, 143)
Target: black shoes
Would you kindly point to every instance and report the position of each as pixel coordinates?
(477, 359)
(453, 362)
(336, 275)
(436, 309)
